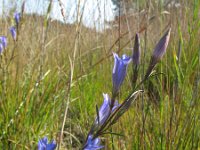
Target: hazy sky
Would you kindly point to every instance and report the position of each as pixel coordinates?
(95, 12)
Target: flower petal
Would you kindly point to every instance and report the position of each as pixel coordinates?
(44, 145)
(119, 71)
(13, 32)
(104, 110)
(92, 144)
(3, 41)
(17, 17)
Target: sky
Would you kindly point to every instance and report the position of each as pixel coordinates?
(95, 13)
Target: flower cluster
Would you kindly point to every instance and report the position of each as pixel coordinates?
(110, 111)
(110, 106)
(13, 31)
(14, 28)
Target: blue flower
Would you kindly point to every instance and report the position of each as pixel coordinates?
(3, 41)
(17, 17)
(105, 111)
(92, 144)
(44, 145)
(119, 71)
(1, 48)
(13, 33)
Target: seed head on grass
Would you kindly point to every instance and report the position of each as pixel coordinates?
(13, 33)
(92, 144)
(44, 145)
(158, 53)
(119, 72)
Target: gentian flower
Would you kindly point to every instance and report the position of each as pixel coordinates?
(44, 145)
(13, 33)
(92, 144)
(3, 41)
(17, 17)
(105, 110)
(159, 51)
(119, 71)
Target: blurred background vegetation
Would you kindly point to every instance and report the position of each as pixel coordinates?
(54, 75)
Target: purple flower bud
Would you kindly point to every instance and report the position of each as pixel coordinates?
(105, 110)
(119, 71)
(159, 51)
(17, 17)
(44, 145)
(13, 33)
(92, 144)
(3, 41)
(136, 51)
(136, 59)
(161, 46)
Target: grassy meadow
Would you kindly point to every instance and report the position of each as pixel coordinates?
(54, 74)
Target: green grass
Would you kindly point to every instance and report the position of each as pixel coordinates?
(34, 87)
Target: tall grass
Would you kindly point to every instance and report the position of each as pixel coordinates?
(55, 74)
